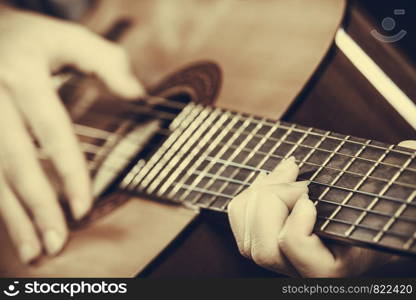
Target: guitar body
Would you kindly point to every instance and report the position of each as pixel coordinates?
(263, 75)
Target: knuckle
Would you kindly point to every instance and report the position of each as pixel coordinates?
(120, 54)
(265, 256)
(284, 241)
(11, 76)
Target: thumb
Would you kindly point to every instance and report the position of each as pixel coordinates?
(408, 144)
(93, 54)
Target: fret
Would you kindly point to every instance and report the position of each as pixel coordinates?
(221, 152)
(342, 188)
(328, 159)
(196, 150)
(249, 156)
(312, 148)
(345, 222)
(183, 120)
(399, 150)
(361, 217)
(212, 145)
(334, 137)
(233, 156)
(184, 156)
(305, 162)
(384, 190)
(173, 150)
(364, 190)
(269, 154)
(335, 180)
(327, 137)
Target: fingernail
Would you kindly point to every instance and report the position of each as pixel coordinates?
(303, 183)
(53, 242)
(291, 159)
(79, 208)
(304, 196)
(134, 88)
(286, 163)
(259, 177)
(27, 253)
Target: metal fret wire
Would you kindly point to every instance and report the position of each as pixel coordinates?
(201, 156)
(164, 166)
(238, 151)
(384, 190)
(178, 125)
(301, 162)
(197, 115)
(398, 216)
(371, 205)
(311, 151)
(186, 157)
(281, 126)
(218, 194)
(312, 181)
(234, 137)
(316, 147)
(247, 184)
(184, 119)
(327, 135)
(268, 155)
(322, 139)
(348, 197)
(342, 171)
(332, 137)
(101, 134)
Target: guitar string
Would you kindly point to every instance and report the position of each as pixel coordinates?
(162, 101)
(84, 128)
(171, 117)
(201, 190)
(244, 166)
(166, 132)
(204, 191)
(244, 183)
(268, 123)
(388, 232)
(336, 220)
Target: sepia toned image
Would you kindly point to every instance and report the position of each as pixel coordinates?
(207, 139)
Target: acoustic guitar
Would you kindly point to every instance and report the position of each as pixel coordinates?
(189, 158)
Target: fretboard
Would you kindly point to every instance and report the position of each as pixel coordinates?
(364, 191)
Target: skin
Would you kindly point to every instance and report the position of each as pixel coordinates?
(273, 222)
(32, 47)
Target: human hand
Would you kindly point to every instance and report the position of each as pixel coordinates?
(31, 48)
(273, 222)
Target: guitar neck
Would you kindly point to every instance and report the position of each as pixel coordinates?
(364, 190)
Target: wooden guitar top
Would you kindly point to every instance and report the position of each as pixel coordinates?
(267, 49)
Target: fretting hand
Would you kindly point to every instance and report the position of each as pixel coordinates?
(273, 222)
(31, 48)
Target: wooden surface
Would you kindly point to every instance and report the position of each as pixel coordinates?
(119, 245)
(267, 49)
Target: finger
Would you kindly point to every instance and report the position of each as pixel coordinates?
(408, 144)
(244, 210)
(24, 174)
(267, 214)
(301, 246)
(285, 172)
(18, 225)
(237, 215)
(53, 128)
(93, 54)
